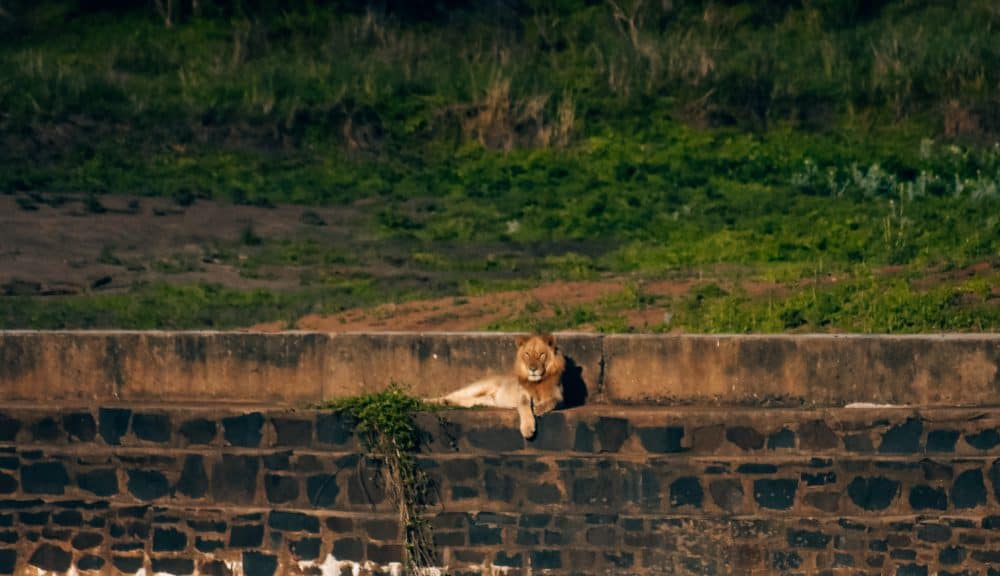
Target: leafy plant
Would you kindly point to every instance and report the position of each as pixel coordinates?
(384, 420)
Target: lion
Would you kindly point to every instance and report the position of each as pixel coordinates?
(534, 388)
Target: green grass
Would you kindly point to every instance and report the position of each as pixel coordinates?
(789, 139)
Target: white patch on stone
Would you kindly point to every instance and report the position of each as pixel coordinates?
(870, 405)
(330, 566)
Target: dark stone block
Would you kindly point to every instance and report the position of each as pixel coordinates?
(783, 438)
(601, 518)
(280, 489)
(6, 520)
(44, 478)
(208, 546)
(8, 484)
(942, 440)
(250, 517)
(622, 560)
(902, 438)
(594, 490)
(745, 437)
(8, 561)
(174, 565)
(460, 470)
(911, 570)
(169, 540)
(984, 440)
(986, 556)
(80, 426)
(246, 536)
(534, 520)
(322, 490)
(382, 529)
(924, 497)
(727, 494)
(808, 539)
(385, 553)
(936, 471)
(546, 560)
(858, 443)
(127, 564)
(969, 490)
(553, 538)
(85, 540)
(508, 560)
(551, 432)
(207, 525)
(756, 468)
(903, 554)
(127, 546)
(46, 430)
(9, 462)
(826, 501)
(776, 494)
(498, 486)
(584, 439)
(841, 560)
(8, 537)
(213, 568)
(9, 427)
(334, 428)
(306, 548)
(90, 562)
(199, 431)
(68, 518)
(602, 536)
(293, 431)
(819, 479)
(686, 491)
(244, 430)
(934, 533)
(34, 518)
(496, 439)
(995, 478)
(51, 558)
(147, 484)
(277, 461)
(611, 433)
(480, 535)
(234, 479)
(661, 440)
(785, 560)
(102, 482)
(348, 549)
(54, 534)
(544, 494)
(292, 522)
(113, 424)
(875, 493)
(991, 523)
(151, 427)
(817, 435)
(463, 493)
(259, 564)
(525, 538)
(193, 482)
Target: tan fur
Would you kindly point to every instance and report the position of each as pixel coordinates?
(534, 388)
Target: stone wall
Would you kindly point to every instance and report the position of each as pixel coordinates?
(124, 487)
(297, 368)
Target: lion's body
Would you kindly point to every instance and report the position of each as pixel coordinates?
(535, 387)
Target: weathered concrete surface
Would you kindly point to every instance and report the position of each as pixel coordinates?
(298, 368)
(814, 369)
(167, 366)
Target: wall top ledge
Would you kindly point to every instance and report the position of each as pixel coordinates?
(298, 368)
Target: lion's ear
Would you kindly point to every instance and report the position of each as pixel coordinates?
(520, 340)
(549, 339)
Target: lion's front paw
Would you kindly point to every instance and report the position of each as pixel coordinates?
(527, 428)
(545, 406)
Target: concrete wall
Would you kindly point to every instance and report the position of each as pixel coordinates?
(298, 368)
(121, 488)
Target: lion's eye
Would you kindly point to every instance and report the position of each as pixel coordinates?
(541, 356)
(525, 355)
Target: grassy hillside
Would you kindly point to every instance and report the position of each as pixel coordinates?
(789, 141)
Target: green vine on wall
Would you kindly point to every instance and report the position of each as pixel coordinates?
(384, 421)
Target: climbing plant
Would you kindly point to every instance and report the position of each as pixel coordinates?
(384, 422)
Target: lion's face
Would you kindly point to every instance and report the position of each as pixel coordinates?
(535, 355)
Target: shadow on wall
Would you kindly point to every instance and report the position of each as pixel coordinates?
(574, 388)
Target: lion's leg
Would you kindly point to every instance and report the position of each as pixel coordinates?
(526, 415)
(476, 394)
